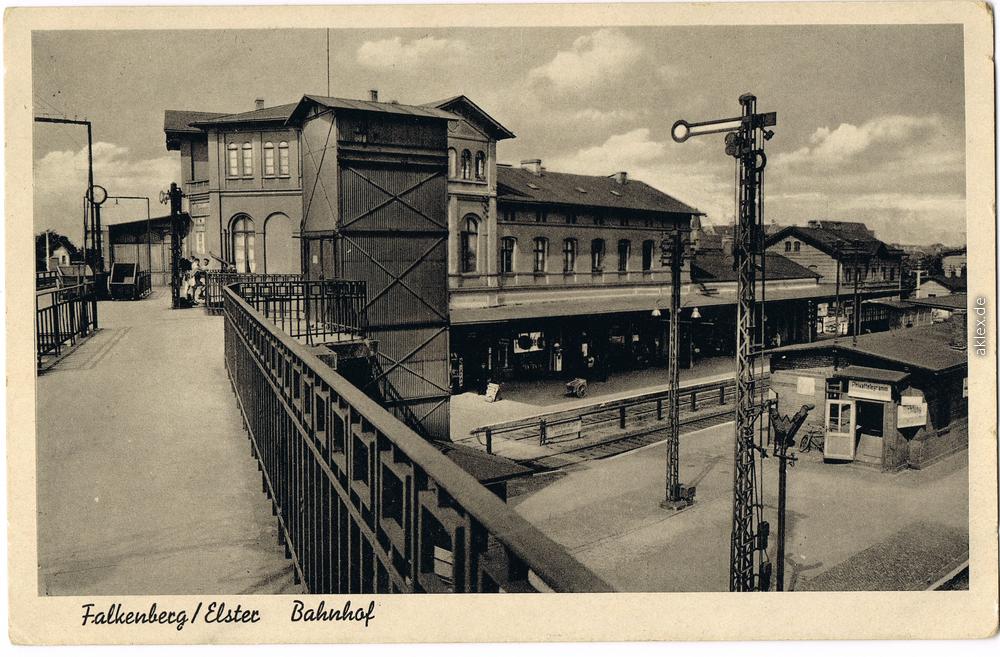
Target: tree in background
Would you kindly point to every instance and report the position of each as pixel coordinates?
(55, 240)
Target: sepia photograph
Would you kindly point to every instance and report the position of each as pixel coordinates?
(329, 310)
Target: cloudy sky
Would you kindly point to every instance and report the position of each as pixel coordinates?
(870, 119)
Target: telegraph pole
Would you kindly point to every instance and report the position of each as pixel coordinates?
(749, 569)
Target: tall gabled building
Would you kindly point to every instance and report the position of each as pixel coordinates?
(242, 179)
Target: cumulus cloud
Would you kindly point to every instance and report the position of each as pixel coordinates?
(881, 138)
(394, 53)
(591, 59)
(60, 181)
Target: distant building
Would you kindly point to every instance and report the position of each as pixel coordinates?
(953, 262)
(939, 286)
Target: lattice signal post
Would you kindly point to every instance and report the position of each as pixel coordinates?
(749, 568)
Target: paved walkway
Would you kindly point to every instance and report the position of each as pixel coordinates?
(145, 480)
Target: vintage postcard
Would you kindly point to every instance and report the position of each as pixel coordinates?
(616, 309)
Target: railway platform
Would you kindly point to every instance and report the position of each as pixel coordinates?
(145, 479)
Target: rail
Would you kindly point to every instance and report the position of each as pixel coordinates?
(63, 316)
(217, 281)
(315, 312)
(363, 503)
(46, 279)
(628, 417)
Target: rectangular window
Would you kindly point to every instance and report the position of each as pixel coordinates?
(268, 159)
(283, 158)
(199, 240)
(569, 255)
(507, 255)
(541, 216)
(541, 251)
(647, 255)
(597, 256)
(247, 160)
(233, 161)
(571, 218)
(624, 251)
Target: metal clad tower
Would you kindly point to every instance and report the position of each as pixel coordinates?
(375, 209)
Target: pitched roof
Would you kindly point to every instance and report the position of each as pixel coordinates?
(948, 302)
(499, 131)
(951, 283)
(718, 267)
(921, 347)
(367, 106)
(838, 243)
(516, 184)
(279, 113)
(181, 120)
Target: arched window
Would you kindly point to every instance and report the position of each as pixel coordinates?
(796, 245)
(452, 163)
(469, 243)
(268, 158)
(507, 247)
(282, 158)
(243, 244)
(569, 255)
(541, 253)
(788, 246)
(480, 166)
(466, 165)
(647, 255)
(624, 251)
(597, 255)
(247, 159)
(233, 160)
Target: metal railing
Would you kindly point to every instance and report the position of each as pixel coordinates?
(217, 281)
(315, 312)
(46, 279)
(63, 316)
(364, 504)
(143, 284)
(634, 416)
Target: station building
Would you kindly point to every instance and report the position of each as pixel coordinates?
(549, 274)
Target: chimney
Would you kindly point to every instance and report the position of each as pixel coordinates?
(957, 340)
(621, 177)
(534, 166)
(373, 95)
(258, 103)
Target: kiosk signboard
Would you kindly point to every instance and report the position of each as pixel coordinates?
(869, 390)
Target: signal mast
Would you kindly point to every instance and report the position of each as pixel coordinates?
(749, 567)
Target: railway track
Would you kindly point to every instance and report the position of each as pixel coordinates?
(616, 446)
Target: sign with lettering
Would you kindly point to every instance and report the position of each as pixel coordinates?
(911, 415)
(870, 390)
(492, 392)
